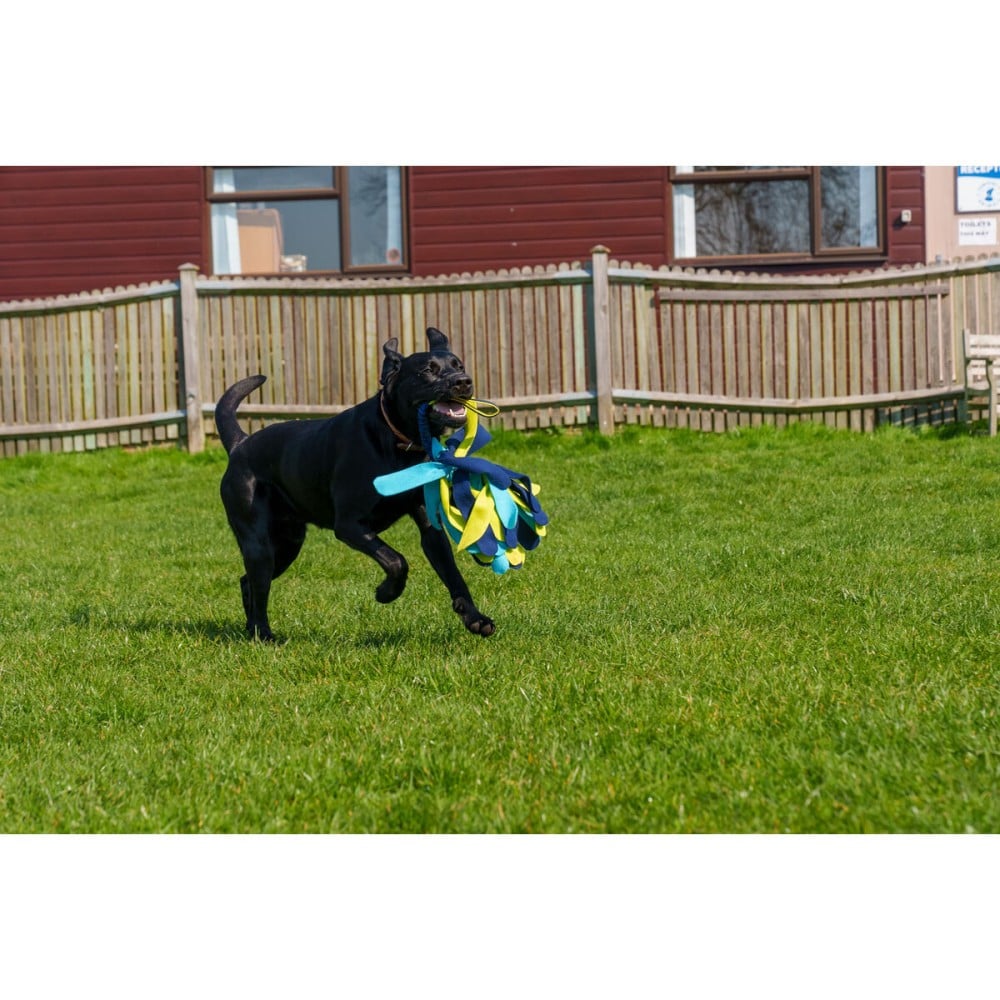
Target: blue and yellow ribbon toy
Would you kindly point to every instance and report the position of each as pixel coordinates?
(486, 510)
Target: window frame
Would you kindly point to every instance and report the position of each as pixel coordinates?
(340, 191)
(817, 253)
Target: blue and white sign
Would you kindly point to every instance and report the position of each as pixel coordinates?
(977, 189)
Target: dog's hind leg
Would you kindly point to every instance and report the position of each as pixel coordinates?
(245, 594)
(255, 586)
(287, 548)
(249, 515)
(266, 555)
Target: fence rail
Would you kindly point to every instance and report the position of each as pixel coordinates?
(603, 343)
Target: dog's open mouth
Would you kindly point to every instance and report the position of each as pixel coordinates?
(449, 411)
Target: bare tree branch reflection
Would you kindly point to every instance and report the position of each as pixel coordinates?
(752, 217)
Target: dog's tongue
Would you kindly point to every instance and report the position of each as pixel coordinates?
(450, 408)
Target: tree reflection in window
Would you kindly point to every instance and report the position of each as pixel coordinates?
(752, 218)
(792, 212)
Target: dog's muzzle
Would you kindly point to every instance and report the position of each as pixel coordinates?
(449, 411)
(449, 408)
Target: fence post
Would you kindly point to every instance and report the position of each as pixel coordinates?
(190, 359)
(602, 340)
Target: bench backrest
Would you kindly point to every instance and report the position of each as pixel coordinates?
(982, 346)
(982, 352)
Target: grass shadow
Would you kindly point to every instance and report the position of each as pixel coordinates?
(88, 617)
(232, 632)
(384, 639)
(210, 630)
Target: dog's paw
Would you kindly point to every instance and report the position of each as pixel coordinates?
(482, 626)
(389, 589)
(260, 633)
(473, 619)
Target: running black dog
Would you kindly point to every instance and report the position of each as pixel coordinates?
(291, 474)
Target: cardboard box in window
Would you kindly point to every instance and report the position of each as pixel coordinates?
(260, 240)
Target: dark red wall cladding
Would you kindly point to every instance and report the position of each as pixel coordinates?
(74, 229)
(905, 189)
(479, 218)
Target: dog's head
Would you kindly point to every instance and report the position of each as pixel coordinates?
(436, 377)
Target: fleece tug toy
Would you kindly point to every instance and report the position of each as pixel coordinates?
(486, 510)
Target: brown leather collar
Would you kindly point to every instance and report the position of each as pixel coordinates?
(402, 441)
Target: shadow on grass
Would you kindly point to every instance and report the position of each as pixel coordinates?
(88, 617)
(382, 640)
(212, 631)
(231, 633)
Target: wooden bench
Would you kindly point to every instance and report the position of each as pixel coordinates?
(982, 351)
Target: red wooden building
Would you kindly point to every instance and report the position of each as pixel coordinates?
(72, 229)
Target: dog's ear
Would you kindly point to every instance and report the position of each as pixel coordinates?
(436, 340)
(393, 359)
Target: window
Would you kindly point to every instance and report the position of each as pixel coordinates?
(267, 220)
(777, 214)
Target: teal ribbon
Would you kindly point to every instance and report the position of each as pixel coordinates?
(485, 509)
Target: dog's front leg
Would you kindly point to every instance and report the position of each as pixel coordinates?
(439, 554)
(392, 562)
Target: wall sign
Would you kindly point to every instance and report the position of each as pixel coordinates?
(977, 232)
(977, 189)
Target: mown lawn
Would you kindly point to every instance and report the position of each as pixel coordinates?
(793, 630)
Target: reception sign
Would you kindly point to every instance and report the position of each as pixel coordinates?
(977, 189)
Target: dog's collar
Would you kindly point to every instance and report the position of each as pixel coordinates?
(402, 441)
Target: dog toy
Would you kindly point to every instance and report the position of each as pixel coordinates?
(486, 510)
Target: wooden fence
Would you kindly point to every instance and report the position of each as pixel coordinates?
(600, 343)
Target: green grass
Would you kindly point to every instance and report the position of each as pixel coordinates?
(761, 631)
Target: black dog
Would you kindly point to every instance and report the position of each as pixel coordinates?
(291, 474)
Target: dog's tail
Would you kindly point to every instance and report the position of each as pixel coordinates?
(230, 432)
